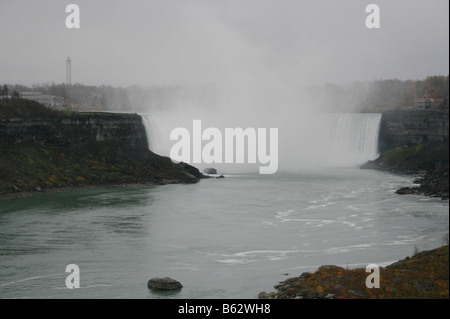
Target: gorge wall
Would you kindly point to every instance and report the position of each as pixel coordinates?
(42, 149)
(416, 142)
(406, 128)
(75, 128)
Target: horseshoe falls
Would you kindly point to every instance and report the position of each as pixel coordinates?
(344, 139)
(305, 141)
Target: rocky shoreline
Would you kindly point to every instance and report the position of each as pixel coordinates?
(434, 184)
(28, 170)
(429, 162)
(23, 194)
(424, 275)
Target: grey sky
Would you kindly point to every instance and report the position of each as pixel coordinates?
(281, 43)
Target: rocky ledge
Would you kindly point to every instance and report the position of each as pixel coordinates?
(424, 275)
(428, 161)
(43, 150)
(433, 184)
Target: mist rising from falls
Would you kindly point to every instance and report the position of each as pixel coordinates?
(308, 140)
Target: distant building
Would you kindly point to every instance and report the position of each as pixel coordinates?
(68, 71)
(51, 101)
(427, 102)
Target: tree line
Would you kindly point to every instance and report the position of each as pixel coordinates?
(381, 95)
(373, 96)
(4, 92)
(109, 98)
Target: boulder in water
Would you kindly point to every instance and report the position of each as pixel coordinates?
(210, 171)
(164, 283)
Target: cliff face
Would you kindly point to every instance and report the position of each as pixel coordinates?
(414, 142)
(75, 128)
(77, 149)
(406, 128)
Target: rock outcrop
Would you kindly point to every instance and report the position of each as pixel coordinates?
(43, 149)
(164, 283)
(424, 276)
(210, 170)
(429, 161)
(416, 142)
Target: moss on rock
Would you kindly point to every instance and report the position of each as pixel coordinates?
(424, 276)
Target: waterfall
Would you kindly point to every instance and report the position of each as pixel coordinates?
(153, 134)
(305, 140)
(353, 138)
(329, 140)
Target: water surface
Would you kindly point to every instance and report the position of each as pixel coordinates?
(228, 238)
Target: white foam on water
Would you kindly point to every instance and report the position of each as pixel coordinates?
(30, 278)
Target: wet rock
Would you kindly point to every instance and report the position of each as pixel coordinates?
(291, 280)
(305, 275)
(283, 288)
(265, 295)
(164, 283)
(408, 191)
(210, 170)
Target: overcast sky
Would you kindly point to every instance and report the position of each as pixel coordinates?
(271, 42)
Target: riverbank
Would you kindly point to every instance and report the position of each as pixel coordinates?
(428, 162)
(424, 275)
(433, 184)
(29, 169)
(6, 196)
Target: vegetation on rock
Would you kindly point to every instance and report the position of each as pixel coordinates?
(424, 276)
(429, 160)
(38, 166)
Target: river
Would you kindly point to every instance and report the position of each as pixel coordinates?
(221, 238)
